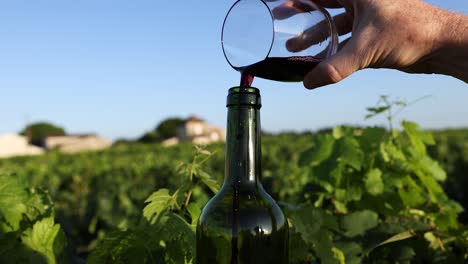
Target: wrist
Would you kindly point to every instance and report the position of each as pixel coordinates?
(450, 53)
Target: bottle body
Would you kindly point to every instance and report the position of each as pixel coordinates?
(261, 235)
(242, 223)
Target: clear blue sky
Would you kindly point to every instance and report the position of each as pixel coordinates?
(118, 67)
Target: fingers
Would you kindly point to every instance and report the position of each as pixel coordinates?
(293, 7)
(309, 37)
(325, 3)
(329, 3)
(335, 69)
(343, 23)
(290, 9)
(319, 33)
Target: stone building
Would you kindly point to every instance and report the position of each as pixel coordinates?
(15, 145)
(198, 132)
(77, 143)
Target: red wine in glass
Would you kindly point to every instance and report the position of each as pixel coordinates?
(289, 69)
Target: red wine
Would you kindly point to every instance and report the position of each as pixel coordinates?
(289, 69)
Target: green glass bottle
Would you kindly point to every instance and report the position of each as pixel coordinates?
(242, 224)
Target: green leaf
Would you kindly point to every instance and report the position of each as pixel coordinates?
(323, 245)
(313, 225)
(180, 195)
(158, 202)
(417, 137)
(208, 181)
(298, 248)
(398, 237)
(194, 212)
(342, 131)
(352, 251)
(336, 175)
(410, 192)
(170, 240)
(46, 238)
(447, 216)
(350, 152)
(390, 152)
(373, 111)
(339, 255)
(202, 151)
(351, 193)
(432, 186)
(13, 251)
(309, 220)
(354, 193)
(338, 132)
(400, 103)
(433, 168)
(370, 140)
(340, 207)
(322, 150)
(433, 240)
(179, 238)
(13, 197)
(374, 183)
(358, 223)
(39, 204)
(135, 246)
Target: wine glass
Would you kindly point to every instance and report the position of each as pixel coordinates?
(279, 40)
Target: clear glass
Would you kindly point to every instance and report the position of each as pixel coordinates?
(242, 224)
(276, 36)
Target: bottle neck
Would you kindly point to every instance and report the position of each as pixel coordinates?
(243, 146)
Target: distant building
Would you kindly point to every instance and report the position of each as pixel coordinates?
(197, 131)
(77, 143)
(170, 142)
(15, 145)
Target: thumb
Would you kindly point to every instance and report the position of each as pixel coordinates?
(336, 68)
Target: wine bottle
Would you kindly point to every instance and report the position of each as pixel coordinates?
(242, 224)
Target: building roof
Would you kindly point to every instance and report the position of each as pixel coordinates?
(193, 119)
(86, 135)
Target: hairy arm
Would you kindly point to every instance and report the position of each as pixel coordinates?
(451, 58)
(408, 35)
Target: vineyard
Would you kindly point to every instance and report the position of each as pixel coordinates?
(351, 195)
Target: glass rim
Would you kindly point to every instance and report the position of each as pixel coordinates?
(272, 32)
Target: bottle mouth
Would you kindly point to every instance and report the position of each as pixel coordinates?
(244, 96)
(240, 89)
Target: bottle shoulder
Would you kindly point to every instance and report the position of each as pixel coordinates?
(245, 197)
(252, 208)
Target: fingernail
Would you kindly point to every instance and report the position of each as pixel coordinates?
(312, 81)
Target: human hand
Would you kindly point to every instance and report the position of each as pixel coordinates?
(408, 35)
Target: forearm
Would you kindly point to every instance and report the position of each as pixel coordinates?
(451, 57)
